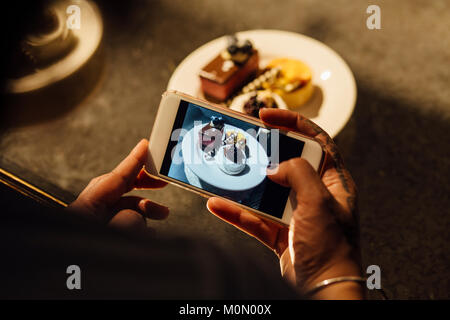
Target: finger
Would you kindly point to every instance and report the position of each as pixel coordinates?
(120, 180)
(340, 183)
(145, 207)
(336, 177)
(311, 192)
(127, 171)
(265, 231)
(129, 220)
(154, 210)
(292, 121)
(144, 181)
(298, 174)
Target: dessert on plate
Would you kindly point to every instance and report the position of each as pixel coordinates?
(232, 158)
(229, 70)
(292, 83)
(250, 102)
(264, 79)
(210, 136)
(230, 137)
(259, 99)
(241, 142)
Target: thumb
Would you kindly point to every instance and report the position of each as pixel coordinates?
(298, 174)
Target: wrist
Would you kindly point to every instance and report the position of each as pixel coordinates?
(341, 290)
(347, 290)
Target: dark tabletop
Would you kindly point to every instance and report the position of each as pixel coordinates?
(396, 144)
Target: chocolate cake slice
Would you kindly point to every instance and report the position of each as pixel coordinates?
(229, 70)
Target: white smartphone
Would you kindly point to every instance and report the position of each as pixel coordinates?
(215, 151)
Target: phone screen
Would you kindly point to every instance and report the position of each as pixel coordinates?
(228, 157)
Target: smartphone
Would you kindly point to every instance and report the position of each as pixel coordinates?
(215, 151)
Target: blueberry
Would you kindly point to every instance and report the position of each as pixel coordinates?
(247, 47)
(216, 121)
(232, 48)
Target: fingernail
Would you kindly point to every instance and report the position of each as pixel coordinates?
(143, 203)
(272, 170)
(148, 205)
(261, 111)
(208, 204)
(138, 144)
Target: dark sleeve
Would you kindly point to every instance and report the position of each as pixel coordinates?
(37, 247)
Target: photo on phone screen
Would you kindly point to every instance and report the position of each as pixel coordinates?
(228, 157)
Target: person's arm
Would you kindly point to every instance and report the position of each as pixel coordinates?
(140, 256)
(322, 240)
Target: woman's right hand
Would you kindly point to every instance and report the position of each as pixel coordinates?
(322, 239)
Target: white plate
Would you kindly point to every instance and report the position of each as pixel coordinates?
(252, 176)
(334, 98)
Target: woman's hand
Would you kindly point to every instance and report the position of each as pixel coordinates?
(103, 198)
(322, 237)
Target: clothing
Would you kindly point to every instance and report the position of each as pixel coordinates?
(37, 246)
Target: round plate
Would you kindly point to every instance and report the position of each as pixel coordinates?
(334, 94)
(254, 173)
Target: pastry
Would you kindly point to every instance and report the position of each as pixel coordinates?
(241, 141)
(230, 137)
(229, 70)
(266, 77)
(210, 136)
(260, 99)
(233, 137)
(232, 156)
(292, 83)
(232, 160)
